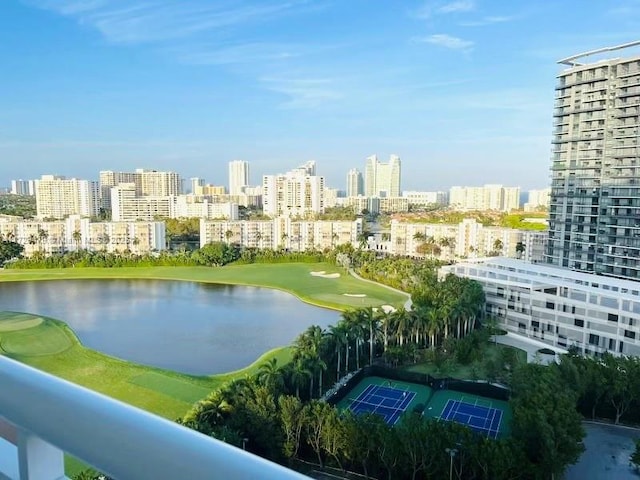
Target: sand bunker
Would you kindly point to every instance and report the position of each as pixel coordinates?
(359, 295)
(325, 275)
(387, 308)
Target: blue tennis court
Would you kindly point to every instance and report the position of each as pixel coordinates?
(388, 402)
(483, 419)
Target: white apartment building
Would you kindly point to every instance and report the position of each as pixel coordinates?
(196, 183)
(238, 176)
(382, 179)
(282, 233)
(467, 239)
(78, 233)
(127, 206)
(196, 206)
(330, 197)
(558, 306)
(293, 194)
(488, 197)
(537, 199)
(147, 183)
(424, 199)
(355, 183)
(23, 187)
(59, 197)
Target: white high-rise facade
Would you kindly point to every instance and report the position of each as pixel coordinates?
(537, 199)
(488, 197)
(355, 183)
(196, 183)
(238, 176)
(58, 197)
(382, 179)
(294, 194)
(23, 187)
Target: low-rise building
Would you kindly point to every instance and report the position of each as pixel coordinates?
(468, 238)
(558, 306)
(77, 233)
(282, 233)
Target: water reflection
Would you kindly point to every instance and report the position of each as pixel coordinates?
(183, 326)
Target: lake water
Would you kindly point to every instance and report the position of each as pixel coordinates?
(188, 327)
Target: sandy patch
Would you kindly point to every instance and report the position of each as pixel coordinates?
(325, 275)
(359, 295)
(387, 308)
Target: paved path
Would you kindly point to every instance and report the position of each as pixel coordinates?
(608, 448)
(407, 304)
(529, 345)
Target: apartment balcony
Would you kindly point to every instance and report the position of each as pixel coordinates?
(42, 416)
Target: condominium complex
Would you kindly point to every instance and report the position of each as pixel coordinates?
(238, 176)
(382, 179)
(78, 233)
(537, 199)
(282, 233)
(294, 194)
(468, 238)
(147, 182)
(488, 197)
(558, 306)
(127, 206)
(59, 197)
(23, 187)
(196, 183)
(424, 199)
(355, 183)
(594, 215)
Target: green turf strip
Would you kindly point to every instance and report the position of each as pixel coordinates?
(178, 388)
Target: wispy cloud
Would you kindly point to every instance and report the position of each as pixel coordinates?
(432, 8)
(303, 92)
(489, 20)
(457, 6)
(447, 41)
(250, 53)
(123, 22)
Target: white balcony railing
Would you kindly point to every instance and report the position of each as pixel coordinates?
(45, 416)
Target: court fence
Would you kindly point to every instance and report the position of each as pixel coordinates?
(481, 388)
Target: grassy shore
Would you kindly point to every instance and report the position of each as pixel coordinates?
(294, 278)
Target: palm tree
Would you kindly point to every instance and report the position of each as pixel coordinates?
(227, 235)
(402, 321)
(419, 237)
(299, 376)
(338, 333)
(77, 238)
(520, 248)
(370, 319)
(270, 375)
(42, 237)
(497, 246)
(434, 326)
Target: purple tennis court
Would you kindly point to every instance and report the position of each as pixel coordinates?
(480, 418)
(388, 402)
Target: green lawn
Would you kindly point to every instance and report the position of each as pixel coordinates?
(467, 372)
(294, 278)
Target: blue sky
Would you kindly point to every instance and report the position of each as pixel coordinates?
(461, 90)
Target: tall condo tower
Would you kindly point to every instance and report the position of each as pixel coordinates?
(238, 176)
(355, 184)
(382, 179)
(594, 213)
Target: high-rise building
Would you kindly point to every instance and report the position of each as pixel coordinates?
(382, 179)
(294, 194)
(109, 179)
(238, 176)
(355, 183)
(309, 168)
(23, 187)
(58, 197)
(160, 184)
(195, 183)
(537, 199)
(594, 213)
(488, 197)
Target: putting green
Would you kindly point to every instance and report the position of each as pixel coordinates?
(12, 321)
(47, 338)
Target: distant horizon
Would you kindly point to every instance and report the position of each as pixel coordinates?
(461, 90)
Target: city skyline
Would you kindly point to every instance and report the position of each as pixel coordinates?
(188, 86)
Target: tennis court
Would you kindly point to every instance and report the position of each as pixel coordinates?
(386, 401)
(480, 416)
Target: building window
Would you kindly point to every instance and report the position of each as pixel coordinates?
(551, 305)
(535, 324)
(630, 334)
(594, 339)
(612, 317)
(578, 323)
